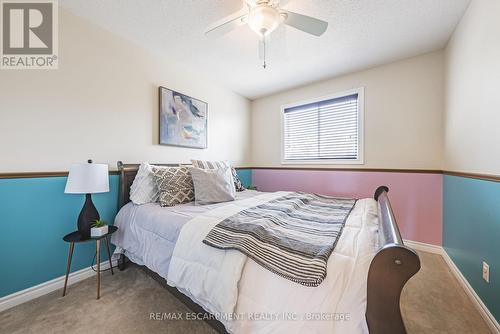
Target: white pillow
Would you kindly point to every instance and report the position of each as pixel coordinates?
(213, 185)
(144, 189)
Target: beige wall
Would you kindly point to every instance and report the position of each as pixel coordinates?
(102, 103)
(403, 114)
(472, 118)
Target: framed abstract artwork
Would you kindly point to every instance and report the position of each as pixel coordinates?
(183, 120)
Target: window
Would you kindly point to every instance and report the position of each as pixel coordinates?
(327, 130)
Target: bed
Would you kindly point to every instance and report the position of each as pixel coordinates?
(365, 275)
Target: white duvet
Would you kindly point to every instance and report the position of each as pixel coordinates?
(250, 299)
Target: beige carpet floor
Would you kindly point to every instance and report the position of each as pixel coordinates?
(432, 302)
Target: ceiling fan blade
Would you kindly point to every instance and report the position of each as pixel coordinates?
(305, 23)
(227, 24)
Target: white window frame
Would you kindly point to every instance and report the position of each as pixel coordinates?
(361, 110)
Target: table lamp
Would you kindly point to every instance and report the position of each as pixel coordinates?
(87, 178)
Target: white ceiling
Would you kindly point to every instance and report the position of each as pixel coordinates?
(361, 34)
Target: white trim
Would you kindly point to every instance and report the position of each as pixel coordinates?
(473, 296)
(420, 246)
(483, 309)
(361, 140)
(49, 286)
(77, 276)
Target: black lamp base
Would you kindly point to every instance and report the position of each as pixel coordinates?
(87, 217)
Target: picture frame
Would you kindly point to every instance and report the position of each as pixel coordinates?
(183, 120)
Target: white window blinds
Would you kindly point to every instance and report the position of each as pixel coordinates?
(326, 130)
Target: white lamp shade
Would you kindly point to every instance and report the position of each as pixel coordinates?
(264, 19)
(87, 178)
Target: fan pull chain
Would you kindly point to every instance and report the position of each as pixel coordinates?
(264, 64)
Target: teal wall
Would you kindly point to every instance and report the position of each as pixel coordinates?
(471, 233)
(34, 216)
(245, 176)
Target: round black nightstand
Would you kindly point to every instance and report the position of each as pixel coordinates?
(75, 237)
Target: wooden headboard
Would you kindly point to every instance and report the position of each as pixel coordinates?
(392, 266)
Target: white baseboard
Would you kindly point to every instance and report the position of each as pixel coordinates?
(485, 313)
(476, 300)
(420, 246)
(47, 287)
(58, 283)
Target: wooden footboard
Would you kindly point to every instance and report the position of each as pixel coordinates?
(393, 265)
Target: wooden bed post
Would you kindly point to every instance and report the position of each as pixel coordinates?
(122, 186)
(393, 265)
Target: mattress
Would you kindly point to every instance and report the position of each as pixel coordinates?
(147, 233)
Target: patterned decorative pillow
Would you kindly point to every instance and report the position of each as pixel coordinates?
(175, 185)
(144, 189)
(213, 185)
(220, 164)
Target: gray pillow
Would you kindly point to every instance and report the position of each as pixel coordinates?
(175, 185)
(218, 164)
(213, 185)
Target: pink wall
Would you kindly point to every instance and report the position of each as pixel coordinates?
(416, 198)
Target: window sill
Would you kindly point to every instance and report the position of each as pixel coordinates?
(322, 162)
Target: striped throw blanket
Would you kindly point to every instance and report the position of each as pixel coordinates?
(292, 236)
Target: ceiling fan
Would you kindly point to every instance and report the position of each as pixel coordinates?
(263, 17)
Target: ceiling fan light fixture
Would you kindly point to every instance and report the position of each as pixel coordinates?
(264, 19)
